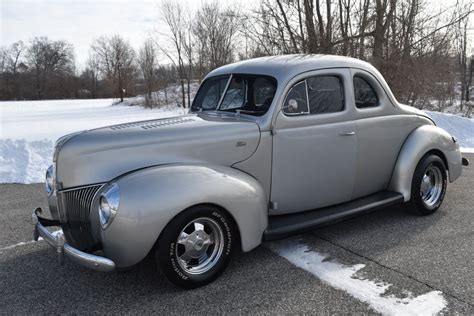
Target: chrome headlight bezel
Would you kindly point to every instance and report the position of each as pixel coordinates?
(109, 203)
(49, 180)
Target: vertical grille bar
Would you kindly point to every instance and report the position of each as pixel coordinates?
(77, 207)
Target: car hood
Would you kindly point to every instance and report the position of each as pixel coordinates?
(100, 155)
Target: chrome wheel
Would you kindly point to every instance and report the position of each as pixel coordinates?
(199, 246)
(431, 186)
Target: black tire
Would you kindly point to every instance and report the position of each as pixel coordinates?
(422, 203)
(169, 250)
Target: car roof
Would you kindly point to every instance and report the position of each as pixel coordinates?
(285, 67)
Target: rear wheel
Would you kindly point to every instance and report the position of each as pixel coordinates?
(428, 185)
(195, 248)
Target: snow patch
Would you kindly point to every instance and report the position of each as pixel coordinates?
(460, 127)
(24, 162)
(344, 277)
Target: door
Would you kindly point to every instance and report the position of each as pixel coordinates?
(314, 143)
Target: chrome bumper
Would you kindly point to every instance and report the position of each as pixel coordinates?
(58, 242)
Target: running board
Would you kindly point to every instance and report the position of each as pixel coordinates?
(280, 226)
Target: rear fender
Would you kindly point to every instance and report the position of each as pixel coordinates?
(150, 198)
(424, 139)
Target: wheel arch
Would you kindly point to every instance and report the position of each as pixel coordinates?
(420, 142)
(152, 197)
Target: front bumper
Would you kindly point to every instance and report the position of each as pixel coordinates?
(58, 242)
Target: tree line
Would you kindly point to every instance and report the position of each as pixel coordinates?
(422, 53)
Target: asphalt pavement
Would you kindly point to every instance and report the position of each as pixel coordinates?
(414, 254)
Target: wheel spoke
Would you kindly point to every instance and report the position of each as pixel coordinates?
(198, 226)
(183, 237)
(207, 240)
(185, 257)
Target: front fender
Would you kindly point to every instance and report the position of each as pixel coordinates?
(151, 197)
(422, 140)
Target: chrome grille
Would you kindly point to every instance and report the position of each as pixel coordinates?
(76, 207)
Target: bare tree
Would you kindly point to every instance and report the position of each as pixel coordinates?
(15, 52)
(174, 18)
(147, 63)
(402, 38)
(49, 58)
(92, 72)
(463, 60)
(216, 29)
(116, 57)
(3, 59)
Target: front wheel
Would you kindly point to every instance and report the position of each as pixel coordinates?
(196, 246)
(428, 185)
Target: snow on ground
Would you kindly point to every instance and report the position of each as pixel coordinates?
(29, 129)
(347, 278)
(460, 127)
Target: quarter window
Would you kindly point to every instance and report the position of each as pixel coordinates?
(296, 101)
(365, 96)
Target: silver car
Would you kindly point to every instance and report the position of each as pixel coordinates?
(272, 147)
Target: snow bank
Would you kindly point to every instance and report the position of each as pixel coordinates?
(460, 127)
(29, 129)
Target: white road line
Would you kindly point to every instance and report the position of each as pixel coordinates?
(344, 277)
(24, 243)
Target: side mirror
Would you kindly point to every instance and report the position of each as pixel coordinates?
(293, 111)
(291, 108)
(292, 105)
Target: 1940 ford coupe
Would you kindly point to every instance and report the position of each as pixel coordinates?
(272, 146)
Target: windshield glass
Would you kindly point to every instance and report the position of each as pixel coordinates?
(248, 94)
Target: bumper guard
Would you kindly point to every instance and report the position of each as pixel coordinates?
(58, 242)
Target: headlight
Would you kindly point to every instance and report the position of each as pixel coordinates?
(49, 181)
(108, 205)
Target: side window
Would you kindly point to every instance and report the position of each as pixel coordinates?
(365, 96)
(325, 94)
(296, 101)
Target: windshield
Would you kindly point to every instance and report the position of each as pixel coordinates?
(248, 94)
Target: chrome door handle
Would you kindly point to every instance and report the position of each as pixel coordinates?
(347, 133)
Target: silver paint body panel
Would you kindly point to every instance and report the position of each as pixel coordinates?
(103, 154)
(424, 139)
(151, 197)
(244, 163)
